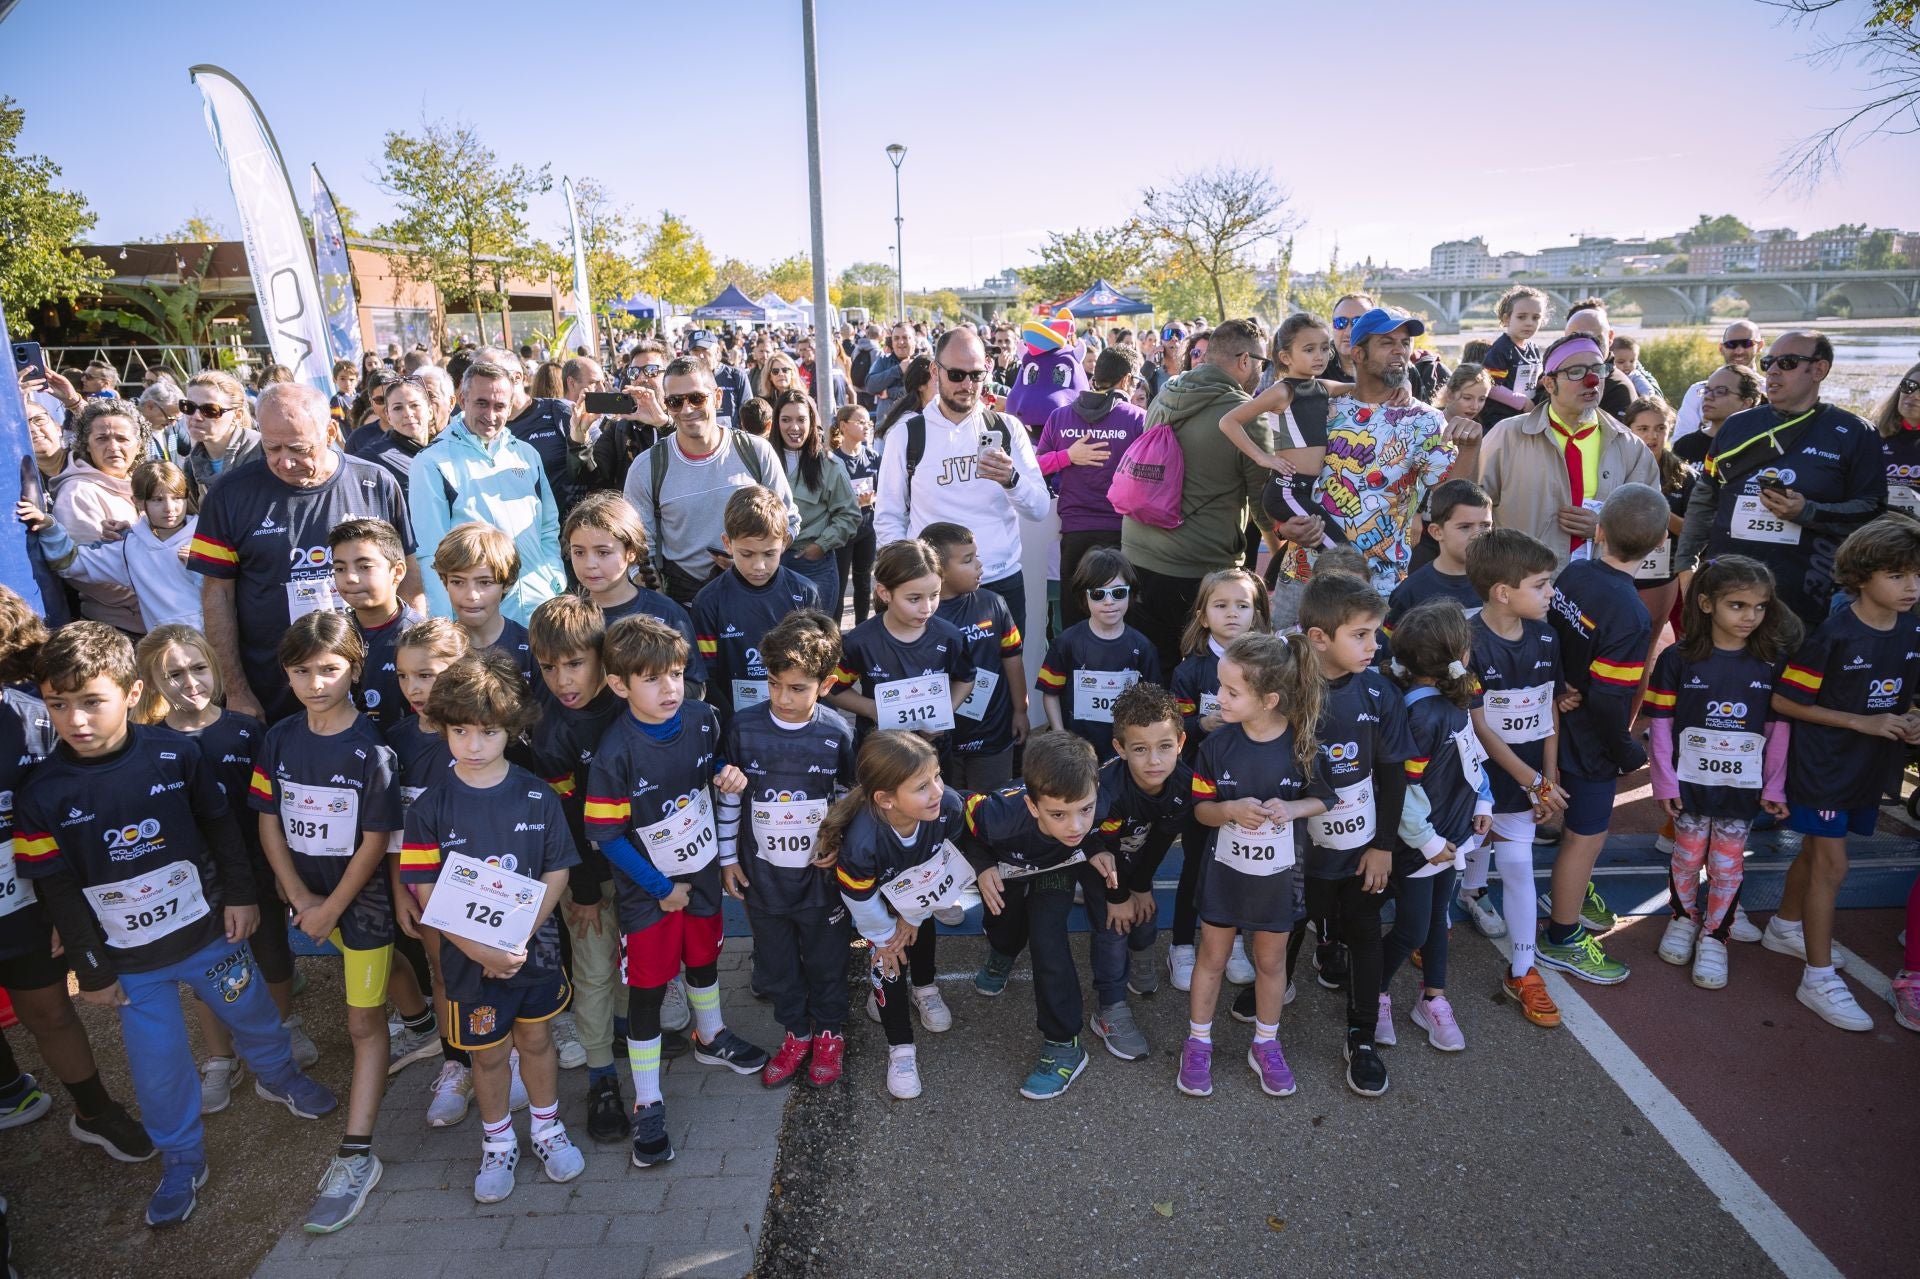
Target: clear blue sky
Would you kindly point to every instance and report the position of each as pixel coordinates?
(1018, 118)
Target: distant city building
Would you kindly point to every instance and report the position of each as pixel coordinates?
(1460, 260)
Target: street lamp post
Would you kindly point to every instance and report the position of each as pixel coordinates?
(897, 153)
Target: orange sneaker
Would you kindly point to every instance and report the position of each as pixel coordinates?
(1531, 994)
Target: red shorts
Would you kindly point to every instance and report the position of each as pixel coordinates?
(654, 955)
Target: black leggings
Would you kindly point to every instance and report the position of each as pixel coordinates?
(855, 560)
(891, 993)
(643, 1002)
(1186, 909)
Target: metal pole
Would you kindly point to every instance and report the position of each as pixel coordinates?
(822, 312)
(897, 153)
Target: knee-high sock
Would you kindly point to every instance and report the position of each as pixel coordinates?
(1515, 862)
(1479, 862)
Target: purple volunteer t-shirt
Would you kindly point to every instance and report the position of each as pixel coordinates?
(1084, 507)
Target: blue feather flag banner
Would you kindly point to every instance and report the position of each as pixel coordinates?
(336, 274)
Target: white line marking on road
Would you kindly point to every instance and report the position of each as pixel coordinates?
(1866, 974)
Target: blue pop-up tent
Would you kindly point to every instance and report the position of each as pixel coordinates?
(732, 304)
(1103, 302)
(639, 306)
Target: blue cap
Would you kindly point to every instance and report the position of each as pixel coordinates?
(1385, 319)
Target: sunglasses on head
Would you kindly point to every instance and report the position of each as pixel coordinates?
(692, 399)
(1909, 386)
(194, 408)
(1738, 344)
(1785, 363)
(964, 375)
(1118, 594)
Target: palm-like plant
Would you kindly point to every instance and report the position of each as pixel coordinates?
(165, 314)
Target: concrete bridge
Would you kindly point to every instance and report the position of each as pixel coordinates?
(1674, 300)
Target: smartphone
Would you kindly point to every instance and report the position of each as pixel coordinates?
(1771, 482)
(29, 355)
(610, 402)
(31, 489)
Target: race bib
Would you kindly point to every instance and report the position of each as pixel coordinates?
(1520, 714)
(1712, 757)
(319, 821)
(785, 831)
(1209, 704)
(922, 702)
(484, 903)
(15, 892)
(683, 843)
(748, 692)
(1657, 566)
(1010, 872)
(1473, 757)
(863, 486)
(1094, 693)
(1753, 522)
(1350, 822)
(142, 910)
(934, 884)
(1266, 851)
(975, 707)
(311, 595)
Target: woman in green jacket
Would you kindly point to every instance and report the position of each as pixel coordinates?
(829, 512)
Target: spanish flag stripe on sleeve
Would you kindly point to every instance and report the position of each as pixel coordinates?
(850, 881)
(260, 785)
(1011, 639)
(844, 678)
(1184, 705)
(1417, 767)
(608, 810)
(1051, 680)
(419, 856)
(34, 847)
(1627, 673)
(562, 785)
(973, 803)
(205, 548)
(1662, 698)
(1803, 679)
(708, 645)
(1203, 787)
(1109, 826)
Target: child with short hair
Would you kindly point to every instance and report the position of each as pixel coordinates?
(606, 545)
(733, 611)
(368, 565)
(890, 842)
(797, 756)
(325, 791)
(905, 667)
(1513, 361)
(1448, 811)
(1604, 633)
(1029, 844)
(1516, 716)
(1092, 662)
(478, 564)
(1850, 686)
(852, 429)
(1457, 512)
(576, 708)
(1254, 778)
(993, 718)
(1146, 795)
(148, 560)
(125, 812)
(1716, 751)
(652, 780)
(500, 1001)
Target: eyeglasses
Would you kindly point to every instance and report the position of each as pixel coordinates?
(692, 399)
(644, 370)
(1260, 360)
(1715, 392)
(1341, 323)
(194, 408)
(1909, 387)
(1738, 344)
(1118, 594)
(957, 376)
(1785, 363)
(1579, 371)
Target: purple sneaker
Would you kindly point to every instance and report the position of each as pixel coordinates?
(1435, 1016)
(1268, 1062)
(1196, 1068)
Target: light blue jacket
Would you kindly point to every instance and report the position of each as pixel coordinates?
(456, 479)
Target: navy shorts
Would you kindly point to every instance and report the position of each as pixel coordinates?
(1832, 823)
(490, 1020)
(1589, 804)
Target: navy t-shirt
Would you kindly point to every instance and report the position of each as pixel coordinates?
(1362, 730)
(1720, 709)
(643, 787)
(983, 724)
(871, 655)
(1514, 368)
(730, 618)
(26, 738)
(378, 692)
(1087, 673)
(793, 773)
(1518, 681)
(655, 605)
(1849, 666)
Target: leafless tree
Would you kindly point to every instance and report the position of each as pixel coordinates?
(1212, 217)
(1882, 43)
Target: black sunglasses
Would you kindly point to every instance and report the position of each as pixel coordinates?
(193, 408)
(964, 375)
(1785, 363)
(1738, 344)
(1118, 594)
(692, 399)
(1909, 387)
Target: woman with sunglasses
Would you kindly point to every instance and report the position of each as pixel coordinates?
(366, 419)
(1899, 425)
(220, 425)
(1786, 482)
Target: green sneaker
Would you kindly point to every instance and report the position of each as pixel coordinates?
(1060, 1065)
(1582, 958)
(1594, 912)
(991, 980)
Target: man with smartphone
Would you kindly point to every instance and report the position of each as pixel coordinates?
(630, 420)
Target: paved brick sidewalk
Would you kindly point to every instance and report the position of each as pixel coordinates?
(697, 1216)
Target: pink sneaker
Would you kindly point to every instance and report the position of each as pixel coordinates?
(1196, 1068)
(1268, 1062)
(1906, 999)
(1435, 1016)
(1383, 1036)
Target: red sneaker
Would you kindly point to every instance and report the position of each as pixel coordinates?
(827, 1051)
(787, 1062)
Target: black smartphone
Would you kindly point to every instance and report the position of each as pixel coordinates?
(29, 355)
(31, 489)
(610, 402)
(1771, 482)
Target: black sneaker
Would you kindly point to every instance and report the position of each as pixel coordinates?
(650, 1144)
(1366, 1073)
(1330, 965)
(673, 1043)
(1243, 1006)
(116, 1132)
(606, 1113)
(731, 1051)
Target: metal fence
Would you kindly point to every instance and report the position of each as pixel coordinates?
(131, 361)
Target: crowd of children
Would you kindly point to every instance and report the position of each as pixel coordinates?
(498, 827)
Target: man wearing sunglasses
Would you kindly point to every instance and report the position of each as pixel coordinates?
(602, 463)
(1740, 345)
(974, 467)
(1785, 482)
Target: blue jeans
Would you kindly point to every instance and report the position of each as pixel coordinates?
(1110, 954)
(1419, 923)
(824, 573)
(165, 1080)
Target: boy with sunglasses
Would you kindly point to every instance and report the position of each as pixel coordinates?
(1091, 663)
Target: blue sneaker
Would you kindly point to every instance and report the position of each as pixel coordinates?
(306, 1098)
(173, 1201)
(1059, 1066)
(991, 980)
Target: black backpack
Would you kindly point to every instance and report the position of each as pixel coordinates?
(917, 448)
(862, 365)
(657, 465)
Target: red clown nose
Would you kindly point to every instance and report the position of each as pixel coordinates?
(1590, 381)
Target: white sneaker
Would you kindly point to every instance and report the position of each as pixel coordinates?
(1180, 967)
(1744, 929)
(1239, 967)
(1487, 921)
(1834, 1002)
(566, 1043)
(674, 1013)
(1676, 944)
(1791, 939)
(305, 1051)
(452, 1093)
(951, 916)
(1662, 845)
(516, 1091)
(933, 1010)
(561, 1159)
(1293, 993)
(873, 1007)
(903, 1073)
(218, 1075)
(1710, 963)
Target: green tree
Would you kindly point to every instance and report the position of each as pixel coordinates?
(1182, 288)
(869, 285)
(791, 278)
(1318, 296)
(1211, 219)
(943, 304)
(675, 263)
(1876, 253)
(1840, 232)
(1071, 261)
(609, 236)
(747, 277)
(39, 224)
(460, 212)
(202, 228)
(164, 314)
(1725, 229)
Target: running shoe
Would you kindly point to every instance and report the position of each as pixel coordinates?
(991, 980)
(1582, 957)
(30, 1103)
(1783, 938)
(1435, 1016)
(1058, 1067)
(1180, 967)
(173, 1201)
(566, 1043)
(1196, 1068)
(1270, 1066)
(1242, 1008)
(408, 1046)
(560, 1159)
(498, 1159)
(1906, 999)
(650, 1142)
(1487, 921)
(1239, 967)
(903, 1072)
(1117, 1029)
(114, 1131)
(1366, 1069)
(517, 1098)
(934, 1013)
(452, 1093)
(305, 1051)
(1593, 910)
(1710, 964)
(829, 1051)
(1531, 994)
(1744, 929)
(218, 1075)
(873, 1005)
(1383, 1034)
(344, 1188)
(786, 1062)
(1830, 998)
(1676, 944)
(306, 1098)
(606, 1116)
(675, 1014)
(1331, 965)
(1143, 978)
(731, 1051)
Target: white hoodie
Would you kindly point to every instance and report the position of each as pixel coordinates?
(152, 569)
(946, 488)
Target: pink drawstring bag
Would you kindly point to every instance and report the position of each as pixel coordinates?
(1150, 479)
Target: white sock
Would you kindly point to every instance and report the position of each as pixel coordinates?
(1479, 862)
(1515, 862)
(1788, 926)
(1200, 1030)
(1265, 1034)
(643, 1057)
(705, 1001)
(1813, 974)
